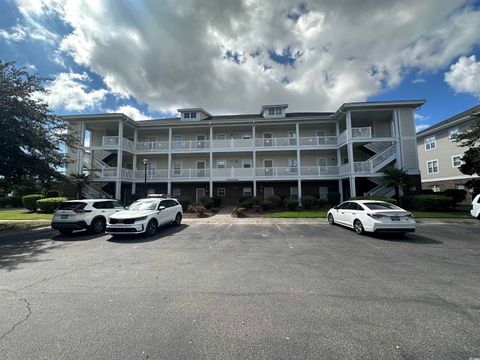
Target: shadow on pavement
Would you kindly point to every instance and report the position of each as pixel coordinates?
(76, 236)
(140, 238)
(407, 238)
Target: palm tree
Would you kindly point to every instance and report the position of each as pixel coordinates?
(79, 180)
(397, 179)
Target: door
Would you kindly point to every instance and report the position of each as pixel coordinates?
(200, 141)
(322, 165)
(267, 139)
(350, 213)
(200, 168)
(177, 142)
(164, 215)
(199, 193)
(340, 213)
(292, 166)
(177, 168)
(268, 167)
(152, 142)
(321, 137)
(292, 138)
(267, 192)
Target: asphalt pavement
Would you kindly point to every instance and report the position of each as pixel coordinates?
(242, 291)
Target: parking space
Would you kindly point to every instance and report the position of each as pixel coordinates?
(233, 290)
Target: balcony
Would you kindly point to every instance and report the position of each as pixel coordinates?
(275, 142)
(153, 146)
(232, 173)
(113, 141)
(318, 141)
(276, 172)
(238, 144)
(319, 170)
(361, 132)
(191, 145)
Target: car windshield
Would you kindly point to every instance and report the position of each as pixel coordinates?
(143, 205)
(381, 206)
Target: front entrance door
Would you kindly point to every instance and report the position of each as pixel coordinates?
(267, 192)
(199, 193)
(200, 168)
(267, 139)
(268, 167)
(200, 141)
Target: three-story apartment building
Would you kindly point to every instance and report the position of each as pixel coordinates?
(233, 156)
(440, 155)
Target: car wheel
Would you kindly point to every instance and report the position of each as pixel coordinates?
(178, 220)
(331, 220)
(66, 232)
(151, 228)
(97, 226)
(358, 227)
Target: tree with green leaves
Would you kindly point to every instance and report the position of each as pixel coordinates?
(32, 137)
(470, 138)
(397, 179)
(79, 180)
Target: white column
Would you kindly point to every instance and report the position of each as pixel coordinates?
(350, 154)
(169, 153)
(211, 188)
(211, 162)
(254, 162)
(118, 183)
(169, 188)
(398, 145)
(134, 162)
(134, 188)
(81, 148)
(297, 130)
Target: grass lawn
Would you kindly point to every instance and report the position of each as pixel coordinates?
(23, 215)
(416, 214)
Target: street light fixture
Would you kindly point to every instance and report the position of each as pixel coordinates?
(145, 163)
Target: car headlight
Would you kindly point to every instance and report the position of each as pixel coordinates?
(140, 218)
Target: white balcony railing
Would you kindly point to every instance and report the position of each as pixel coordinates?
(153, 146)
(316, 141)
(152, 174)
(275, 142)
(232, 172)
(342, 137)
(190, 173)
(128, 144)
(232, 144)
(276, 171)
(198, 145)
(319, 170)
(362, 132)
(344, 169)
(109, 141)
(362, 167)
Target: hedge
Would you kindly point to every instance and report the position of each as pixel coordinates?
(247, 203)
(333, 198)
(52, 194)
(206, 202)
(48, 205)
(428, 202)
(290, 204)
(266, 205)
(185, 201)
(217, 201)
(308, 202)
(30, 201)
(276, 201)
(11, 201)
(458, 195)
(376, 198)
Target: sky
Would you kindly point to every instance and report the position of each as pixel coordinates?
(149, 58)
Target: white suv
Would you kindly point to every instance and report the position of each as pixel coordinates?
(145, 216)
(90, 214)
(476, 207)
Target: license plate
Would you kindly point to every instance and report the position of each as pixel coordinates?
(395, 218)
(63, 216)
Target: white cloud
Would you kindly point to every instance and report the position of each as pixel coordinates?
(421, 127)
(464, 75)
(418, 81)
(173, 54)
(132, 112)
(70, 91)
(420, 117)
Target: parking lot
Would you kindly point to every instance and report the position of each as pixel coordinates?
(233, 290)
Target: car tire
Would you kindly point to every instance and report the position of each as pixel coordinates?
(358, 227)
(178, 220)
(331, 220)
(66, 232)
(97, 226)
(151, 228)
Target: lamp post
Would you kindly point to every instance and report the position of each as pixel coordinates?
(145, 163)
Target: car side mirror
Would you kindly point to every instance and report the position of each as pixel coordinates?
(161, 208)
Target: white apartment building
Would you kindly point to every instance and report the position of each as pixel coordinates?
(233, 156)
(440, 155)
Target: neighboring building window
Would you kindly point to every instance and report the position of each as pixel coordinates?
(456, 160)
(247, 163)
(278, 111)
(435, 188)
(186, 115)
(294, 192)
(453, 133)
(220, 191)
(220, 136)
(247, 191)
(323, 192)
(193, 115)
(460, 186)
(432, 166)
(430, 143)
(271, 111)
(176, 192)
(221, 164)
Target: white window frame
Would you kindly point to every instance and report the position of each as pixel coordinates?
(322, 195)
(460, 186)
(430, 143)
(454, 131)
(186, 115)
(193, 115)
(176, 192)
(271, 111)
(250, 193)
(278, 111)
(174, 168)
(247, 161)
(220, 161)
(294, 192)
(453, 161)
(221, 192)
(435, 188)
(428, 168)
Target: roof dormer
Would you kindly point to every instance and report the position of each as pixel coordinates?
(193, 114)
(274, 111)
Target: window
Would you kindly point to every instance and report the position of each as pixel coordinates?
(247, 191)
(456, 160)
(168, 203)
(193, 115)
(246, 136)
(278, 111)
(220, 136)
(430, 143)
(460, 186)
(292, 164)
(271, 111)
(453, 133)
(323, 192)
(294, 192)
(186, 115)
(221, 192)
(380, 206)
(344, 205)
(103, 205)
(221, 164)
(247, 163)
(435, 188)
(432, 166)
(176, 192)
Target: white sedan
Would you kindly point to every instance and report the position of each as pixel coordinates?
(145, 216)
(372, 216)
(476, 207)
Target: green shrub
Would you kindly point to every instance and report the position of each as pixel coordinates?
(290, 204)
(308, 202)
(206, 201)
(276, 201)
(266, 205)
(249, 202)
(11, 201)
(185, 201)
(376, 198)
(30, 201)
(333, 198)
(52, 194)
(198, 209)
(239, 212)
(458, 195)
(217, 201)
(48, 205)
(429, 202)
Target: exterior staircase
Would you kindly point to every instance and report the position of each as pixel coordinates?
(381, 189)
(95, 191)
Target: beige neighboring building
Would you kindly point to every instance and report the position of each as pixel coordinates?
(440, 155)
